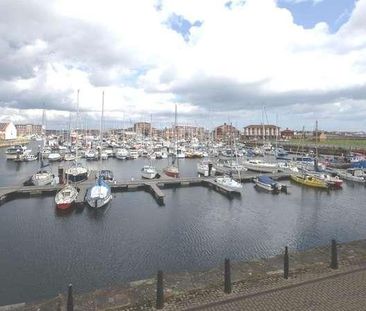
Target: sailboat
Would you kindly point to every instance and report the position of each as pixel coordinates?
(42, 177)
(149, 171)
(65, 198)
(100, 194)
(173, 170)
(77, 172)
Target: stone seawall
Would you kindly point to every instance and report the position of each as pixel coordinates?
(189, 289)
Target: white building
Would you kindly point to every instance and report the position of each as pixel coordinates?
(8, 131)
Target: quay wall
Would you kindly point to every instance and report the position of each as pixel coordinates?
(187, 289)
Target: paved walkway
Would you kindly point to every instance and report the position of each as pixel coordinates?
(345, 291)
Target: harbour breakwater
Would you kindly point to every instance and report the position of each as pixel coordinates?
(190, 290)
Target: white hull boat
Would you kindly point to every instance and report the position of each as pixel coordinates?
(66, 197)
(148, 172)
(42, 178)
(99, 195)
(228, 182)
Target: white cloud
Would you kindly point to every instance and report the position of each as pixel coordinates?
(240, 58)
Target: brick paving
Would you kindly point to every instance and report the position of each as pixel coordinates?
(344, 291)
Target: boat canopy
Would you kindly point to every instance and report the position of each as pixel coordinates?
(266, 179)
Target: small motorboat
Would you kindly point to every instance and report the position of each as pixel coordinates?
(66, 197)
(30, 158)
(268, 184)
(53, 157)
(77, 173)
(229, 182)
(171, 171)
(149, 172)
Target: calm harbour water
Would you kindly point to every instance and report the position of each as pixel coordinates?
(42, 251)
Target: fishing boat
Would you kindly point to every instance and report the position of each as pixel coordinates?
(149, 172)
(268, 184)
(99, 195)
(229, 182)
(309, 180)
(65, 198)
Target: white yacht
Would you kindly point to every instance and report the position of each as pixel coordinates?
(121, 154)
(229, 182)
(256, 165)
(54, 156)
(148, 172)
(42, 178)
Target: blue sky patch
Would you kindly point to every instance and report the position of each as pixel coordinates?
(308, 13)
(182, 26)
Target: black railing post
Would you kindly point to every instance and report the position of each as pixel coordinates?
(70, 299)
(334, 255)
(160, 291)
(227, 276)
(286, 264)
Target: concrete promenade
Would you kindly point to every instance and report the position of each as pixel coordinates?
(341, 291)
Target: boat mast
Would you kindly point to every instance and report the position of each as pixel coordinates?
(77, 126)
(101, 131)
(176, 135)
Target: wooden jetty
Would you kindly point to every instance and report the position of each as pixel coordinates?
(152, 186)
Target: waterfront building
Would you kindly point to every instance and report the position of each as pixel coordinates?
(142, 128)
(287, 134)
(261, 131)
(186, 132)
(225, 132)
(28, 129)
(8, 131)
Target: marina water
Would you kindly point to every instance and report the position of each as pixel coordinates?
(43, 251)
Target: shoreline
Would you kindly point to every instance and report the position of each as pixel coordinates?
(9, 143)
(189, 289)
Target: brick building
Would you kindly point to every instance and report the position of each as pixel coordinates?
(261, 131)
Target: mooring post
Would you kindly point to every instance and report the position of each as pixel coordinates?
(70, 299)
(209, 169)
(286, 264)
(227, 277)
(160, 291)
(334, 255)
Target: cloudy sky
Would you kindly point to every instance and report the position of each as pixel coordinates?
(219, 60)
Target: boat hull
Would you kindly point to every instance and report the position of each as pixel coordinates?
(315, 183)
